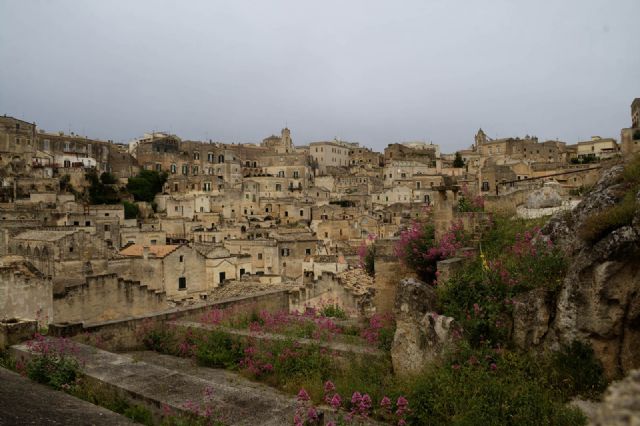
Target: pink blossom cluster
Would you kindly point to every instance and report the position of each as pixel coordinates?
(360, 406)
(59, 347)
(377, 322)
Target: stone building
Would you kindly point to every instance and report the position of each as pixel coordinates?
(17, 140)
(630, 137)
(176, 270)
(328, 154)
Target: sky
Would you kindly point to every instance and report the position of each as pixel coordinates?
(368, 71)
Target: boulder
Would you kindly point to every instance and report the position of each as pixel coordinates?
(531, 313)
(547, 196)
(421, 334)
(621, 404)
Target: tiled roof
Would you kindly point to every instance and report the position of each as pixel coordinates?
(136, 250)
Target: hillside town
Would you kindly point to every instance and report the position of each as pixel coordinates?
(92, 231)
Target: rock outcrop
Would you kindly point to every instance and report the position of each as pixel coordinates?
(421, 334)
(599, 301)
(547, 196)
(621, 404)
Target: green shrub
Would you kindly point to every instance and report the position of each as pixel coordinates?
(621, 214)
(219, 349)
(333, 311)
(56, 371)
(131, 210)
(487, 389)
(139, 414)
(600, 224)
(576, 371)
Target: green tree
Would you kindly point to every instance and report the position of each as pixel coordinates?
(131, 211)
(99, 192)
(146, 185)
(458, 162)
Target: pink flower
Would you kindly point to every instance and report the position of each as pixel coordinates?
(336, 401)
(385, 403)
(493, 366)
(303, 395)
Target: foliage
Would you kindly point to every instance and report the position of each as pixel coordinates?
(620, 214)
(343, 203)
(576, 371)
(367, 255)
(65, 184)
(418, 249)
(146, 185)
(488, 387)
(469, 203)
(380, 331)
(481, 295)
(53, 362)
(360, 408)
(101, 189)
(333, 311)
(458, 162)
(219, 349)
(131, 210)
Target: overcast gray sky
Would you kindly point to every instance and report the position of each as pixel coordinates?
(370, 71)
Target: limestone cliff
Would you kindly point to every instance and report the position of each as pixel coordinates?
(600, 298)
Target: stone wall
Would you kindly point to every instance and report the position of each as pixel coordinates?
(25, 295)
(106, 298)
(126, 334)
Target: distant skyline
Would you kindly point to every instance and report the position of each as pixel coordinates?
(368, 71)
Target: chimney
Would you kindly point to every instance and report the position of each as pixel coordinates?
(145, 252)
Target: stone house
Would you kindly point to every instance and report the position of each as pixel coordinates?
(176, 270)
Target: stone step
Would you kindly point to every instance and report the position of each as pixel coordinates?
(343, 348)
(173, 383)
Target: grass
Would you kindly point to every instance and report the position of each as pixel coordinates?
(598, 225)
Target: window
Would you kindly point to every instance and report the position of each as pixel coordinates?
(210, 157)
(181, 258)
(185, 169)
(485, 186)
(307, 252)
(242, 272)
(107, 228)
(154, 242)
(296, 174)
(182, 283)
(326, 235)
(87, 223)
(222, 276)
(158, 167)
(196, 155)
(195, 170)
(174, 169)
(286, 213)
(70, 249)
(259, 256)
(301, 212)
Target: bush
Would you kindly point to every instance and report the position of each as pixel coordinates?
(53, 362)
(333, 311)
(131, 210)
(219, 349)
(146, 185)
(480, 295)
(487, 388)
(600, 224)
(576, 371)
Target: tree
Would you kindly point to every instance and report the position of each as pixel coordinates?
(458, 162)
(99, 191)
(131, 211)
(146, 185)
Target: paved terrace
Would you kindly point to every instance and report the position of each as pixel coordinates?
(23, 402)
(339, 347)
(156, 380)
